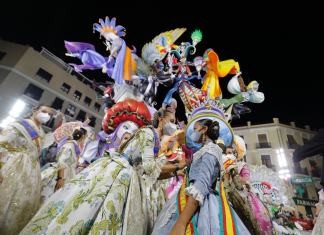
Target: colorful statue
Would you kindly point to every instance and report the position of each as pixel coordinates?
(126, 59)
(216, 69)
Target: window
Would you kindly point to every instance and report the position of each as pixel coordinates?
(70, 110)
(87, 101)
(92, 122)
(33, 92)
(77, 95)
(65, 88)
(81, 116)
(263, 141)
(2, 54)
(266, 160)
(97, 107)
(57, 104)
(292, 144)
(43, 75)
(305, 140)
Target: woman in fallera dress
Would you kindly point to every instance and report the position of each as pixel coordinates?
(202, 209)
(109, 196)
(64, 169)
(20, 178)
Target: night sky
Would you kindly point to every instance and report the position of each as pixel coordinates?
(279, 45)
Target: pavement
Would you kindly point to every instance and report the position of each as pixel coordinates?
(306, 232)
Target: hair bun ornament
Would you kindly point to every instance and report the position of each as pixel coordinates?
(216, 128)
(78, 135)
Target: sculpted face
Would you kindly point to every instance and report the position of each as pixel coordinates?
(126, 127)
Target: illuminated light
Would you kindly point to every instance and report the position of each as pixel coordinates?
(283, 171)
(279, 160)
(281, 176)
(14, 113)
(18, 106)
(283, 159)
(277, 151)
(10, 119)
(281, 150)
(288, 175)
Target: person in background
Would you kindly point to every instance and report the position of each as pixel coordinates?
(64, 169)
(21, 143)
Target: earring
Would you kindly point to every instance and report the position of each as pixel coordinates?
(204, 137)
(161, 126)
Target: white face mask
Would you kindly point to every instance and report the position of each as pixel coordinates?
(231, 156)
(169, 129)
(43, 117)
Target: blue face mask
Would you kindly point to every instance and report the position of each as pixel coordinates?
(195, 136)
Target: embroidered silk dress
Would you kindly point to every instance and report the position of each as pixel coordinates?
(67, 159)
(204, 171)
(254, 202)
(108, 197)
(20, 190)
(319, 226)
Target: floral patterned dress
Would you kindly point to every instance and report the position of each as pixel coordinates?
(108, 197)
(20, 190)
(254, 202)
(67, 160)
(319, 226)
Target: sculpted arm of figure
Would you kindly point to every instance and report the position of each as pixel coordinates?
(197, 191)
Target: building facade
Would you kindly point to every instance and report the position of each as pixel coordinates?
(272, 145)
(42, 78)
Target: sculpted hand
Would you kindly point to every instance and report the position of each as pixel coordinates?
(243, 181)
(59, 184)
(183, 163)
(104, 68)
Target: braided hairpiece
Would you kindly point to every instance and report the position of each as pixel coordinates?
(215, 127)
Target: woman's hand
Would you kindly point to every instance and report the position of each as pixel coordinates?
(314, 220)
(181, 173)
(243, 181)
(178, 229)
(183, 163)
(59, 184)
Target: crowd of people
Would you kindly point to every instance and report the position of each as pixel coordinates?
(134, 177)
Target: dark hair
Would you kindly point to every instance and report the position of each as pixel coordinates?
(29, 115)
(157, 115)
(77, 134)
(213, 128)
(230, 147)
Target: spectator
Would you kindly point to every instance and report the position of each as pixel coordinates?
(300, 215)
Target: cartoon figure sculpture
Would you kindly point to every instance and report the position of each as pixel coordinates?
(126, 59)
(87, 54)
(183, 70)
(196, 37)
(166, 47)
(215, 69)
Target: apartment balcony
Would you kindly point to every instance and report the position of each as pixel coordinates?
(317, 172)
(300, 170)
(264, 145)
(292, 145)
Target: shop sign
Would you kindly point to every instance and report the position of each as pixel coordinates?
(303, 180)
(304, 202)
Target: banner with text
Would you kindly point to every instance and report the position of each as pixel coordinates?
(303, 180)
(304, 202)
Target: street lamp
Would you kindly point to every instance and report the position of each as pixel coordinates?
(17, 108)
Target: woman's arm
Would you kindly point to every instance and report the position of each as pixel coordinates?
(185, 217)
(60, 182)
